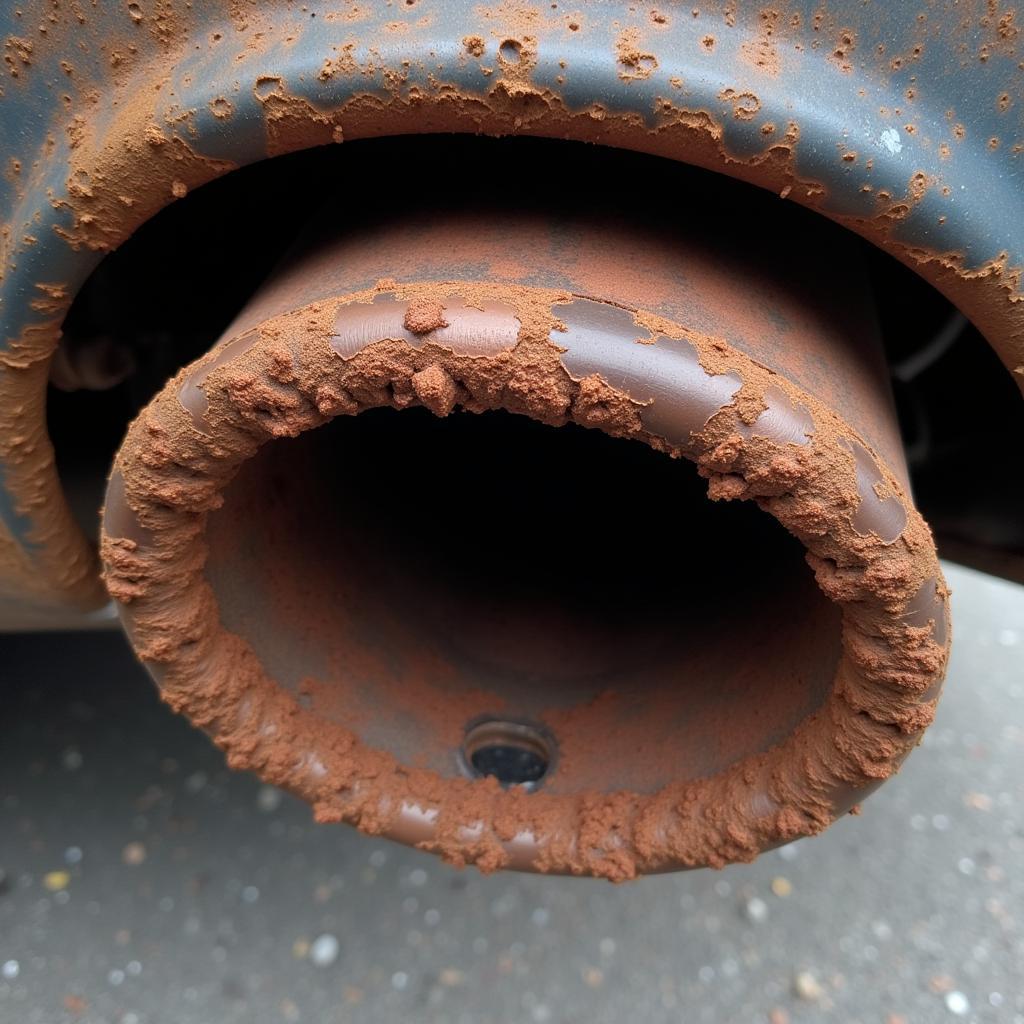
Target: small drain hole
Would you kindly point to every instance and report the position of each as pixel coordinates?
(515, 753)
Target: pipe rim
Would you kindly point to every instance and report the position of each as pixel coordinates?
(893, 598)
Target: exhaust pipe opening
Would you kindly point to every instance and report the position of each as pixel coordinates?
(350, 533)
(211, 248)
(407, 576)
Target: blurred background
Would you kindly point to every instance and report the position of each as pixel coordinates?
(141, 882)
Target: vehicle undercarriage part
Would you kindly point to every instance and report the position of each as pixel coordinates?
(387, 621)
(346, 538)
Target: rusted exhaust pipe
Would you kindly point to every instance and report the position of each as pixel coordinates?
(524, 648)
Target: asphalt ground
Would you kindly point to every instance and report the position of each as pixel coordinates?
(141, 882)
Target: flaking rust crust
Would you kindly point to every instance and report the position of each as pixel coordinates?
(297, 371)
(132, 148)
(51, 556)
(118, 181)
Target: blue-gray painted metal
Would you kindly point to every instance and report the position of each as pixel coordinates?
(954, 59)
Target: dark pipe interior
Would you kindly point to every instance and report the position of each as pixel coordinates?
(210, 253)
(407, 575)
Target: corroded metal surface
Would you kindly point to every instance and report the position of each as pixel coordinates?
(329, 660)
(902, 121)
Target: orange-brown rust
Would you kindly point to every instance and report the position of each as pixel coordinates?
(123, 178)
(424, 316)
(762, 52)
(62, 569)
(845, 45)
(18, 53)
(103, 218)
(745, 105)
(119, 179)
(635, 62)
(174, 474)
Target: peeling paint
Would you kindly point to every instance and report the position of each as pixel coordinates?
(566, 362)
(86, 173)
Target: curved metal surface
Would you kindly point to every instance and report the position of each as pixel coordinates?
(338, 630)
(901, 121)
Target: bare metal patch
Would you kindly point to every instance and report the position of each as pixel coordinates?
(928, 608)
(118, 518)
(782, 421)
(486, 328)
(191, 394)
(885, 517)
(663, 375)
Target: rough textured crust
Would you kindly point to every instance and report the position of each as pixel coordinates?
(295, 372)
(133, 153)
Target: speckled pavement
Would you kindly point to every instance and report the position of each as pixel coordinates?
(143, 883)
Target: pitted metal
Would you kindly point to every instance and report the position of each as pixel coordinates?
(901, 120)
